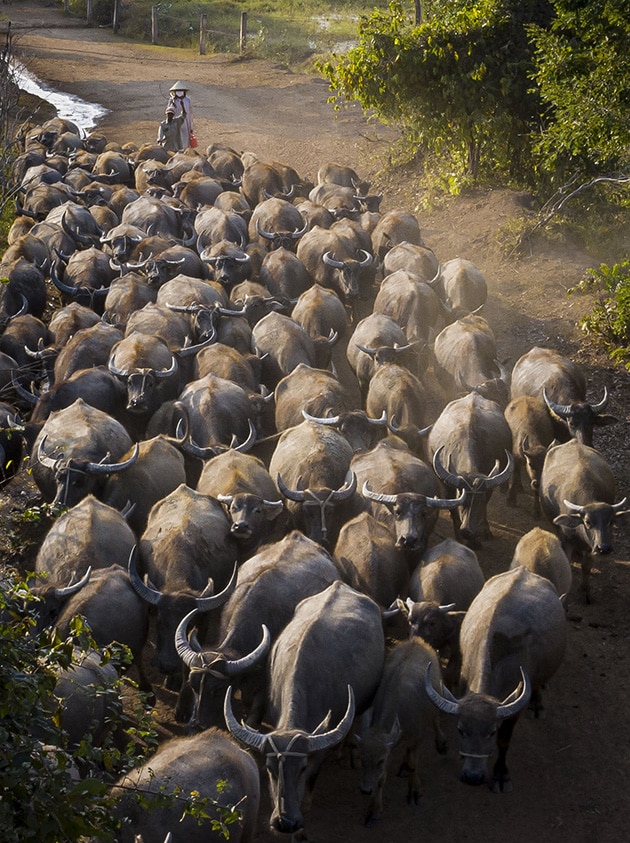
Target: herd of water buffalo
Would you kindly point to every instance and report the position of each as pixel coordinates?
(262, 512)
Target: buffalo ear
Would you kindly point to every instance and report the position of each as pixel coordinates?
(604, 421)
(571, 522)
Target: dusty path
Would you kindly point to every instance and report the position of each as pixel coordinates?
(571, 772)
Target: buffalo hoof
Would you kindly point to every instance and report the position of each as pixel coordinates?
(404, 770)
(371, 819)
(413, 797)
(503, 785)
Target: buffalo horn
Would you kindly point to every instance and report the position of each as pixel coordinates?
(165, 373)
(329, 420)
(599, 408)
(245, 734)
(317, 743)
(297, 495)
(234, 666)
(367, 260)
(226, 499)
(205, 604)
(495, 478)
(449, 705)
(148, 594)
(348, 489)
(381, 421)
(245, 446)
(328, 259)
(377, 496)
(510, 707)
(442, 472)
(447, 503)
(69, 590)
(21, 391)
(561, 410)
(619, 505)
(110, 468)
(43, 458)
(369, 351)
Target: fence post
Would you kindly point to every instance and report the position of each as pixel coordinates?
(116, 17)
(203, 28)
(243, 32)
(88, 17)
(154, 24)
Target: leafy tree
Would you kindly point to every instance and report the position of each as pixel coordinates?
(582, 71)
(458, 84)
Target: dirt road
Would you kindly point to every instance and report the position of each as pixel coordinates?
(571, 771)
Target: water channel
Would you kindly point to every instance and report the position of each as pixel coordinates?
(83, 114)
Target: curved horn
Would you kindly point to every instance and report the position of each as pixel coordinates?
(367, 260)
(69, 590)
(599, 408)
(561, 410)
(619, 505)
(377, 496)
(347, 490)
(328, 259)
(442, 472)
(292, 494)
(268, 235)
(317, 743)
(369, 351)
(512, 708)
(165, 373)
(329, 420)
(247, 444)
(22, 391)
(205, 604)
(574, 507)
(447, 503)
(250, 737)
(43, 458)
(493, 480)
(299, 232)
(444, 704)
(148, 594)
(110, 468)
(381, 421)
(114, 370)
(226, 499)
(234, 666)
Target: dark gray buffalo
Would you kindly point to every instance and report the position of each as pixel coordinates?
(199, 764)
(469, 441)
(547, 374)
(325, 667)
(578, 494)
(513, 640)
(76, 450)
(269, 587)
(401, 490)
(188, 556)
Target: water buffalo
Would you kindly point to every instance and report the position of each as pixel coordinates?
(577, 494)
(367, 556)
(468, 441)
(547, 374)
(269, 587)
(189, 556)
(250, 497)
(513, 640)
(541, 552)
(462, 287)
(89, 535)
(401, 490)
(325, 666)
(311, 466)
(465, 354)
(411, 302)
(532, 433)
(209, 764)
(73, 452)
(401, 713)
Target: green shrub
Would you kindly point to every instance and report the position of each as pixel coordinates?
(609, 320)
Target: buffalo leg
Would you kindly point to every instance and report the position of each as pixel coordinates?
(500, 776)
